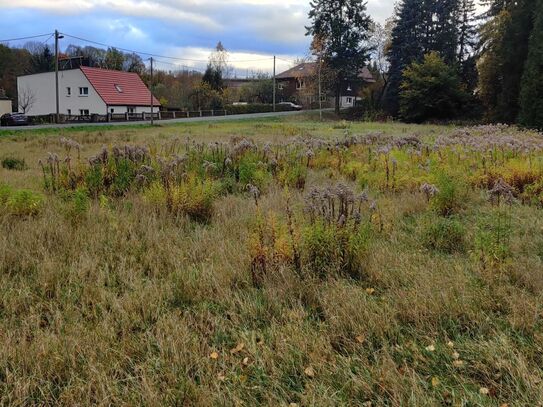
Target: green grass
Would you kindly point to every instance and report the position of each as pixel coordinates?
(122, 297)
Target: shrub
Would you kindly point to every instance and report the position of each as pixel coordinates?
(251, 171)
(12, 163)
(256, 108)
(22, 202)
(78, 204)
(193, 197)
(431, 90)
(293, 176)
(443, 234)
(333, 250)
(450, 197)
(5, 193)
(492, 239)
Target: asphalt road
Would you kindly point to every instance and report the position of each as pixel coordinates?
(147, 122)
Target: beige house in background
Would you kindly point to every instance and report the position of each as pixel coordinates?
(5, 103)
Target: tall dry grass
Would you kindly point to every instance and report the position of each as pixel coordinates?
(130, 305)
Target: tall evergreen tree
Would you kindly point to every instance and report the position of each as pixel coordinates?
(342, 27)
(531, 96)
(422, 27)
(407, 46)
(467, 29)
(213, 77)
(504, 50)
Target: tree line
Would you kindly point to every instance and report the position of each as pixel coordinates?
(439, 59)
(176, 88)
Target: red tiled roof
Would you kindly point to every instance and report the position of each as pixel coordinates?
(119, 88)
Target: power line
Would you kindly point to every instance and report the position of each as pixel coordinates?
(156, 55)
(27, 38)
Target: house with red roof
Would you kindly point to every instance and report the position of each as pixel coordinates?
(86, 91)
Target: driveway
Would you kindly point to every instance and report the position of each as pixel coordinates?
(161, 122)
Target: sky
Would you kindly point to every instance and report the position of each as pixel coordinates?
(251, 30)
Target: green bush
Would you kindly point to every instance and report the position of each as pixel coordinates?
(293, 176)
(256, 108)
(22, 202)
(5, 193)
(443, 234)
(431, 90)
(331, 250)
(252, 171)
(451, 196)
(12, 163)
(193, 198)
(77, 204)
(492, 239)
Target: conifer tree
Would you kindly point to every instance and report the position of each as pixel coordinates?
(342, 27)
(531, 97)
(407, 46)
(504, 50)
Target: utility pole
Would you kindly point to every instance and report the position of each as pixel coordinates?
(274, 83)
(320, 88)
(151, 91)
(57, 37)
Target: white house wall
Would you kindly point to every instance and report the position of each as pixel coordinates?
(5, 106)
(43, 87)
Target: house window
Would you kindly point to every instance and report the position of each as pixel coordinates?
(130, 110)
(118, 88)
(350, 101)
(84, 112)
(68, 91)
(84, 91)
(112, 110)
(300, 84)
(69, 112)
(280, 86)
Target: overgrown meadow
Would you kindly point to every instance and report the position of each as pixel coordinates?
(280, 262)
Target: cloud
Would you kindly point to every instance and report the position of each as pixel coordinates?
(241, 62)
(135, 8)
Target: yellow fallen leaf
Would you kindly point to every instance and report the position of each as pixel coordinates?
(293, 405)
(484, 391)
(214, 355)
(242, 378)
(456, 355)
(370, 291)
(239, 347)
(458, 363)
(360, 338)
(309, 372)
(430, 348)
(450, 344)
(246, 361)
(435, 382)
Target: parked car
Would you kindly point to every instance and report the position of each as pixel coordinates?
(14, 119)
(294, 106)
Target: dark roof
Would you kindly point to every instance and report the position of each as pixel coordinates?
(299, 71)
(119, 88)
(309, 69)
